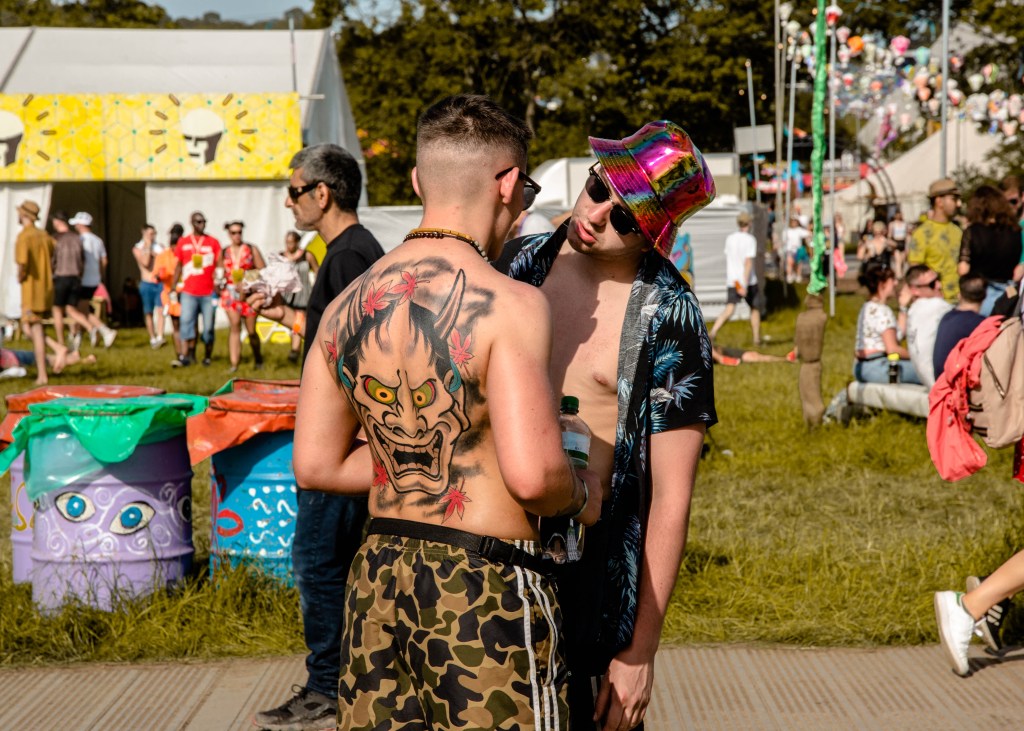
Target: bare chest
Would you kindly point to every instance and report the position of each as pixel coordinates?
(586, 330)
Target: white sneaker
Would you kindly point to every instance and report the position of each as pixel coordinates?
(14, 372)
(75, 342)
(108, 336)
(157, 343)
(92, 337)
(956, 627)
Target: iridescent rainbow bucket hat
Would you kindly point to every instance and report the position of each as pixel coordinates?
(660, 175)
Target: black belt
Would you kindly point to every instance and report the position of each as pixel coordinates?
(879, 356)
(493, 549)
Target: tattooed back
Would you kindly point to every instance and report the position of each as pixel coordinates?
(443, 362)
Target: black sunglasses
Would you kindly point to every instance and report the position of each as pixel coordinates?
(621, 219)
(294, 193)
(530, 187)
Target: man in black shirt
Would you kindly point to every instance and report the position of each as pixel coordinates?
(960, 322)
(323, 193)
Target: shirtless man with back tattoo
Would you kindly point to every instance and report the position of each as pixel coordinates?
(443, 364)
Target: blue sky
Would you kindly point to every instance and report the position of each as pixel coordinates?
(244, 10)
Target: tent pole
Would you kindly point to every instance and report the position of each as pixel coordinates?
(753, 134)
(295, 69)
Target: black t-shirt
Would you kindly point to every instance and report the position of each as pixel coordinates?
(992, 251)
(954, 326)
(348, 256)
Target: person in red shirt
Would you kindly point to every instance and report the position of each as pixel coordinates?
(199, 256)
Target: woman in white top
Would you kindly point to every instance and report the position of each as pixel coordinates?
(877, 337)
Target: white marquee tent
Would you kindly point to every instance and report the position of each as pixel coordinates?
(910, 174)
(135, 61)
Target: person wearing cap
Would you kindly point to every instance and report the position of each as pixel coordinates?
(92, 276)
(33, 253)
(68, 263)
(936, 242)
(740, 277)
(628, 331)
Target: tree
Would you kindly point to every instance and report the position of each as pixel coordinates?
(89, 13)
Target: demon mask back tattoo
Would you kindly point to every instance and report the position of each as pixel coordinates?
(399, 364)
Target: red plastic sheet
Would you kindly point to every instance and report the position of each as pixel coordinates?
(18, 403)
(239, 411)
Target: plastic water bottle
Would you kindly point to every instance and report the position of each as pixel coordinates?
(562, 537)
(894, 367)
(575, 432)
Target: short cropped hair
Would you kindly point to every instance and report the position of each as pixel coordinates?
(972, 288)
(473, 121)
(334, 167)
(915, 272)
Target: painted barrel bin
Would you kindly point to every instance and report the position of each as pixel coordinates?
(247, 430)
(22, 510)
(111, 483)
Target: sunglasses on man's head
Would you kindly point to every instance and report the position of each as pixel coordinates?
(621, 219)
(530, 187)
(295, 193)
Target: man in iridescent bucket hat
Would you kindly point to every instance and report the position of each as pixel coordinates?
(630, 343)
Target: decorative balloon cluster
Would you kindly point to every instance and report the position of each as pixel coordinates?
(902, 87)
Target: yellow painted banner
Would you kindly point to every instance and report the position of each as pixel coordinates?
(67, 137)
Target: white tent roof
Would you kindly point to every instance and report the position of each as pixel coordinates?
(145, 61)
(913, 171)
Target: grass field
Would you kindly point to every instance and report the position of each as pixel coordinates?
(835, 536)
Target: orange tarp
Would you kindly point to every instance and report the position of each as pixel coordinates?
(239, 411)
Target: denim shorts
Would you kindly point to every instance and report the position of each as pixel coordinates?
(191, 307)
(150, 294)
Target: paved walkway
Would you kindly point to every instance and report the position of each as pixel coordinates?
(716, 687)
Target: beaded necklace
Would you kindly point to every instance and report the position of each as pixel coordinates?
(440, 233)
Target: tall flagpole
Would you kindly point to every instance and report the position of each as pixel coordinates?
(832, 15)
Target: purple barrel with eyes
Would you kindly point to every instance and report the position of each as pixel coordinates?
(122, 533)
(22, 512)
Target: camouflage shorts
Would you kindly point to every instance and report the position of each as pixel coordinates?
(437, 637)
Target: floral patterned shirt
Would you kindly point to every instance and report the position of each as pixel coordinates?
(664, 382)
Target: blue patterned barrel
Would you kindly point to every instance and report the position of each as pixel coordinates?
(253, 505)
(121, 533)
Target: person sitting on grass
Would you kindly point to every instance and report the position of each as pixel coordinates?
(922, 306)
(877, 337)
(734, 356)
(958, 323)
(13, 363)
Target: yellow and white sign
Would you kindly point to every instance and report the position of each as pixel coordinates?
(65, 137)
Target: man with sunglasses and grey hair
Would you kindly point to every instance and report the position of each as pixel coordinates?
(323, 193)
(630, 343)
